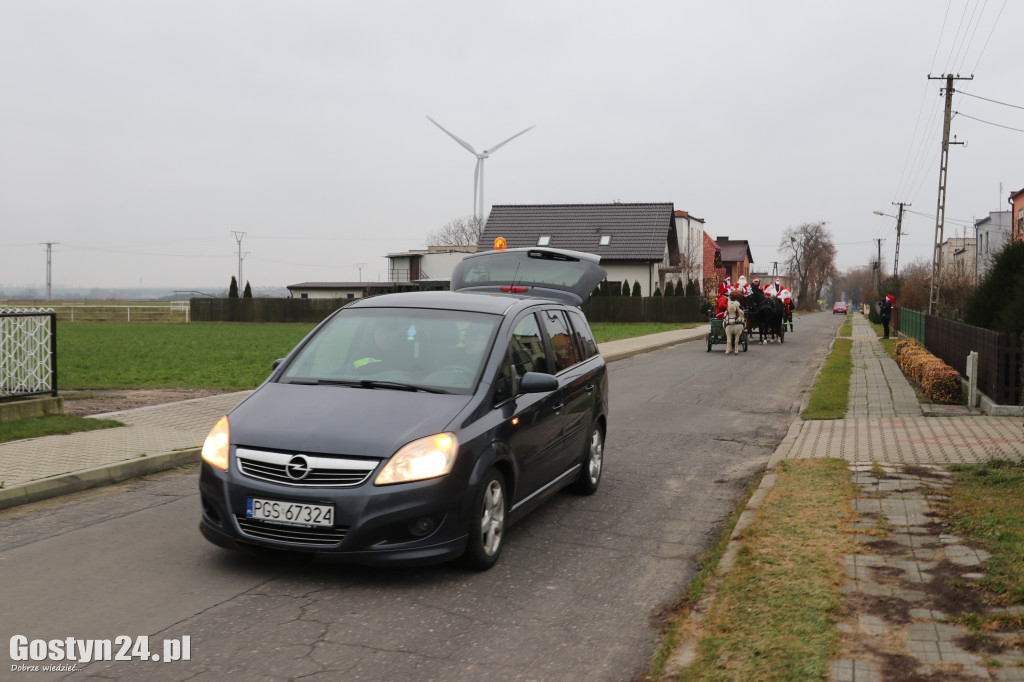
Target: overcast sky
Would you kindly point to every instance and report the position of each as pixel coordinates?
(140, 135)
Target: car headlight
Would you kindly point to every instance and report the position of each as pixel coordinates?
(217, 445)
(428, 457)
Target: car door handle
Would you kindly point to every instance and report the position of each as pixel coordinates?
(558, 408)
(590, 388)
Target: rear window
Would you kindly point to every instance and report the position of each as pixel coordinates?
(584, 336)
(560, 333)
(510, 268)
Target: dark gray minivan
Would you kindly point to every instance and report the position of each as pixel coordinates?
(413, 428)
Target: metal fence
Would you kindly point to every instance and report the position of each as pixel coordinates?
(28, 352)
(999, 355)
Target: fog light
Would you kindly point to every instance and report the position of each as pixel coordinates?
(421, 527)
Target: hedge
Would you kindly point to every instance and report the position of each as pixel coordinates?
(940, 382)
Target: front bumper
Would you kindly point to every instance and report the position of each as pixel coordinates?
(375, 525)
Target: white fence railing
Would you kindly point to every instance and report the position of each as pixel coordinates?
(28, 352)
(177, 311)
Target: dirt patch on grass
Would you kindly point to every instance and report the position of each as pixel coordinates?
(88, 403)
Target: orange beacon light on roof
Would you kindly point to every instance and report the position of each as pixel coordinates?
(500, 244)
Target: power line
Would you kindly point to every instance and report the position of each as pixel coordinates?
(997, 125)
(967, 94)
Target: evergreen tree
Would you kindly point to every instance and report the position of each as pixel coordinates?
(692, 289)
(657, 290)
(625, 287)
(248, 290)
(233, 289)
(636, 288)
(998, 303)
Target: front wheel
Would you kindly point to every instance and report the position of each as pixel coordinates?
(593, 464)
(487, 526)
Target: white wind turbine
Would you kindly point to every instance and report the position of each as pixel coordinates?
(478, 174)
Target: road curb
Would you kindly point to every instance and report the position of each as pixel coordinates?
(623, 354)
(95, 477)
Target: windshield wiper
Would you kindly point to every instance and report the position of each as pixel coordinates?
(369, 383)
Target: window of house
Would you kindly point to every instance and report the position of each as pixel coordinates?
(606, 239)
(544, 240)
(303, 295)
(351, 296)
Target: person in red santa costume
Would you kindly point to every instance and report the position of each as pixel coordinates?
(725, 286)
(787, 300)
(721, 307)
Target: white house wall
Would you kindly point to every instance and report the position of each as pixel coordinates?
(439, 265)
(632, 272)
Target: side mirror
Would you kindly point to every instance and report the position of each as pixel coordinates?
(538, 382)
(276, 363)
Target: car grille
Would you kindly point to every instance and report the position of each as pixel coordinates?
(303, 470)
(322, 537)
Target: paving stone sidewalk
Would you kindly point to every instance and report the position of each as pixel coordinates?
(903, 589)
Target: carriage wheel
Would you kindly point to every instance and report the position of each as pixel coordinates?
(709, 343)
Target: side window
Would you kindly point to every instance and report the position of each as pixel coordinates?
(584, 337)
(560, 333)
(503, 384)
(527, 347)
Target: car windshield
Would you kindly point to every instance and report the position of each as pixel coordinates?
(397, 348)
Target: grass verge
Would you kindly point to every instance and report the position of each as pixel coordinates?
(774, 614)
(607, 331)
(831, 393)
(51, 425)
(986, 505)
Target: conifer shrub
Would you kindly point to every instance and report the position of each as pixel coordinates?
(940, 382)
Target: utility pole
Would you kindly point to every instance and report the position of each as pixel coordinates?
(241, 256)
(899, 232)
(360, 266)
(49, 251)
(878, 270)
(940, 211)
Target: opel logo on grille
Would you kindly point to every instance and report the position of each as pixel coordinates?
(297, 468)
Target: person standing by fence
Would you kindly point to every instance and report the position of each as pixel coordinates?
(885, 312)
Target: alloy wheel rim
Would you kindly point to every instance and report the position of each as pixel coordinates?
(596, 455)
(493, 523)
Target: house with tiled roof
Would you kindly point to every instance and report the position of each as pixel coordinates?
(736, 257)
(636, 242)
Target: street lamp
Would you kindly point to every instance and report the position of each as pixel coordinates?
(899, 232)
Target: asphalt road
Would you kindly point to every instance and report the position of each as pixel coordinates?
(576, 595)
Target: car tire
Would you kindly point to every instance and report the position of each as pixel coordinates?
(487, 524)
(593, 464)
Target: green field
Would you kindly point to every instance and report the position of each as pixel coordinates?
(112, 355)
(106, 355)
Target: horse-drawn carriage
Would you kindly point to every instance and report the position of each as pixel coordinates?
(717, 335)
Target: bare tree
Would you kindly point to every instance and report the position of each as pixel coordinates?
(465, 231)
(859, 285)
(810, 257)
(915, 284)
